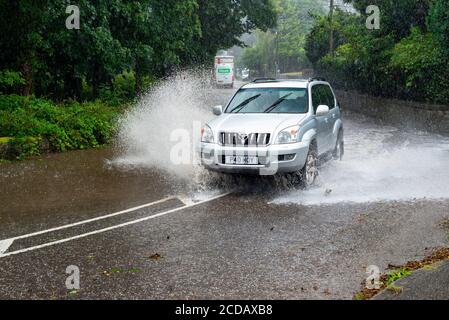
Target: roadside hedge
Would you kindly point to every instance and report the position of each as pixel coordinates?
(31, 123)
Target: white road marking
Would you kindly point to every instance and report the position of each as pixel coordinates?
(186, 200)
(89, 220)
(48, 244)
(4, 245)
(10, 241)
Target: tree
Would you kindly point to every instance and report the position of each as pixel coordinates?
(418, 59)
(224, 21)
(147, 36)
(394, 61)
(92, 54)
(295, 21)
(345, 25)
(438, 23)
(20, 24)
(397, 16)
(158, 34)
(285, 43)
(142, 37)
(260, 58)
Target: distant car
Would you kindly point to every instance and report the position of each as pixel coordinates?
(275, 126)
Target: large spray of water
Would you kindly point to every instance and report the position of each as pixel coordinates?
(165, 125)
(381, 164)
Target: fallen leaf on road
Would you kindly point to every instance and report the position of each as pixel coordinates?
(155, 256)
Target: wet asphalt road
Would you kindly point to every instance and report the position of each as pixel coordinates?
(245, 245)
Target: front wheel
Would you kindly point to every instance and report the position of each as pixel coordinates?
(339, 149)
(309, 172)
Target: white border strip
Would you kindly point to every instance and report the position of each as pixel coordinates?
(90, 220)
(4, 245)
(108, 228)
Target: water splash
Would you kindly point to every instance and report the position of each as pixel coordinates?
(177, 104)
(381, 164)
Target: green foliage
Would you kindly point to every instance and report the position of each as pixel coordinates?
(345, 25)
(360, 64)
(223, 22)
(420, 64)
(148, 37)
(260, 57)
(122, 90)
(285, 43)
(359, 296)
(438, 23)
(397, 16)
(395, 275)
(402, 60)
(10, 80)
(295, 21)
(120, 50)
(67, 126)
(22, 147)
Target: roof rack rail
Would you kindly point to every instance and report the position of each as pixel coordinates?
(317, 79)
(261, 80)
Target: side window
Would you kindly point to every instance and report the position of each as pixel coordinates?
(330, 99)
(317, 96)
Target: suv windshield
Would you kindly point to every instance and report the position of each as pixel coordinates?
(269, 100)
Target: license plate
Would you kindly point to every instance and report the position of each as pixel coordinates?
(242, 160)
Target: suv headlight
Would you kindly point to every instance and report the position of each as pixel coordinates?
(288, 135)
(207, 135)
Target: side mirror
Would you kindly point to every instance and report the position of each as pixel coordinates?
(217, 110)
(322, 110)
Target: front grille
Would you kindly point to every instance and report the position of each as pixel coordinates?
(244, 140)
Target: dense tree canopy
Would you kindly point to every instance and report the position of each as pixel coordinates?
(146, 37)
(397, 16)
(406, 58)
(438, 23)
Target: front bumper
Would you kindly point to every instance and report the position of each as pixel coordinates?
(272, 159)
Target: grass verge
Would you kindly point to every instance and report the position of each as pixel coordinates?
(398, 272)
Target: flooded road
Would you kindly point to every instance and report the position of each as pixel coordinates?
(137, 227)
(62, 188)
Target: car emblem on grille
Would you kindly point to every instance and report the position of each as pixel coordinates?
(242, 137)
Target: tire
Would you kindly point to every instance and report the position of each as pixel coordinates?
(339, 149)
(309, 172)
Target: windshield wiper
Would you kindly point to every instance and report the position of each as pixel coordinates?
(244, 103)
(277, 103)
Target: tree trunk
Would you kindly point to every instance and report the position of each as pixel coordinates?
(331, 28)
(27, 89)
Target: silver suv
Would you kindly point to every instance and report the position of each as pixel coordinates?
(275, 126)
